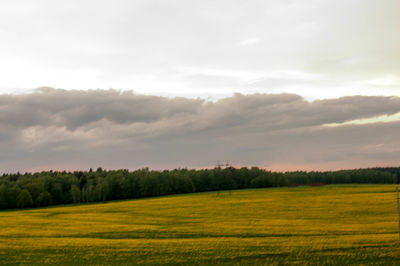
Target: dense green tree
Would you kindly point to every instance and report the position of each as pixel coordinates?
(102, 189)
(11, 195)
(149, 185)
(54, 187)
(76, 194)
(261, 181)
(44, 199)
(24, 199)
(3, 199)
(35, 188)
(56, 192)
(114, 180)
(131, 185)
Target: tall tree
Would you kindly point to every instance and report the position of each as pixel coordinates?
(24, 199)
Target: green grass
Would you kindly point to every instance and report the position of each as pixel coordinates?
(331, 225)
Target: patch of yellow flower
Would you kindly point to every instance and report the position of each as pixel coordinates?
(305, 225)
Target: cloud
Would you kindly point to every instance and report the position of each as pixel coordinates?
(148, 45)
(250, 41)
(113, 129)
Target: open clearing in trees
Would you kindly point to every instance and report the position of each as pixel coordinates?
(341, 224)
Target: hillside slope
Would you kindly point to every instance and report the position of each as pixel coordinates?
(330, 225)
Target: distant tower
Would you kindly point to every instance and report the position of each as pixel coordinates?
(226, 165)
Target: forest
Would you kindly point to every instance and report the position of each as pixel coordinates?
(47, 188)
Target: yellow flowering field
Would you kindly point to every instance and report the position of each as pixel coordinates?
(329, 225)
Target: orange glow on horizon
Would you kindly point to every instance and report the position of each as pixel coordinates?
(275, 167)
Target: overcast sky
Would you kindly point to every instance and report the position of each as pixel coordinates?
(304, 71)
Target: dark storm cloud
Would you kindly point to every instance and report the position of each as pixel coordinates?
(121, 129)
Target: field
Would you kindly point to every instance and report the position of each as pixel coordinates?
(352, 224)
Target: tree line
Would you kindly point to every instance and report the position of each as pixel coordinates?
(61, 187)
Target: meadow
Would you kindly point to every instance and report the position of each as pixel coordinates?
(330, 225)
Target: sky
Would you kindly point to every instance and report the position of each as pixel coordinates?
(285, 85)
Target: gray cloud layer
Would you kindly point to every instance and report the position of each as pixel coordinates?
(54, 128)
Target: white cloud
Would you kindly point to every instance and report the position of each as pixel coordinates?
(227, 47)
(249, 42)
(371, 120)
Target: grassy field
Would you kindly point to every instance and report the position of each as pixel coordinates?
(302, 225)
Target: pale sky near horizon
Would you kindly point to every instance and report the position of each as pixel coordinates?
(293, 60)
